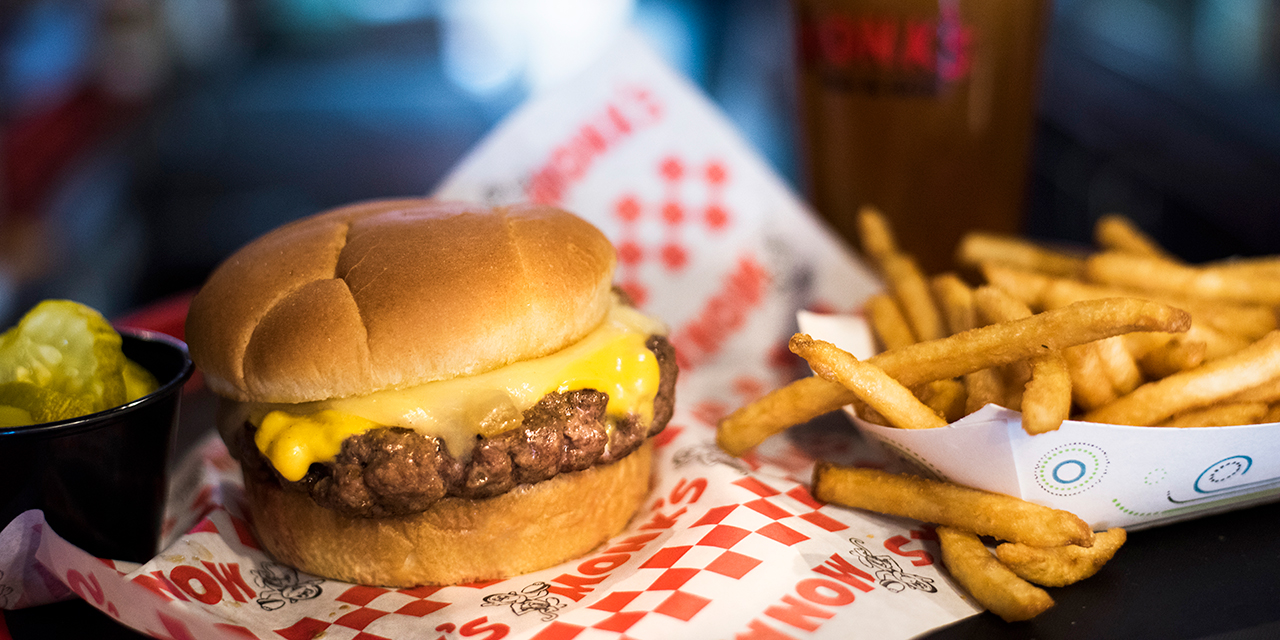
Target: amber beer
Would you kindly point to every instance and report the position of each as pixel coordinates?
(922, 109)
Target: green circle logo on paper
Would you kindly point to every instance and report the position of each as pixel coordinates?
(1071, 469)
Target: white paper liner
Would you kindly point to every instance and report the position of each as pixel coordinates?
(1109, 475)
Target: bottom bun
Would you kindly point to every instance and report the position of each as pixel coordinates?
(457, 540)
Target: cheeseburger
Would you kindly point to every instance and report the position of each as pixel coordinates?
(425, 392)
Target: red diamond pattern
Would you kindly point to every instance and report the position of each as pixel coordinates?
(360, 618)
(715, 515)
(235, 631)
(767, 509)
(361, 595)
(755, 486)
(801, 494)
(824, 521)
(366, 611)
(673, 579)
(621, 621)
(419, 608)
(665, 558)
(304, 629)
(559, 631)
(782, 533)
(733, 564)
(670, 579)
(682, 606)
(723, 536)
(425, 591)
(615, 601)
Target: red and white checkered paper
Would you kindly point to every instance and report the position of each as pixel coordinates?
(711, 241)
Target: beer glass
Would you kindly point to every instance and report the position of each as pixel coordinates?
(922, 109)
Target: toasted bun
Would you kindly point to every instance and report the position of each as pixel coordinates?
(395, 293)
(457, 540)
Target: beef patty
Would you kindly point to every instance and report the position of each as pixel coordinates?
(392, 471)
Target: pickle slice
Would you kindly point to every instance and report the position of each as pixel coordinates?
(41, 404)
(66, 348)
(138, 381)
(14, 417)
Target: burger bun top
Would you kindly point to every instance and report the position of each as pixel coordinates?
(395, 293)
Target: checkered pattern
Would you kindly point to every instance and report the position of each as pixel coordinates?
(370, 605)
(808, 505)
(677, 581)
(671, 591)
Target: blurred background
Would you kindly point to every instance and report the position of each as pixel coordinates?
(143, 140)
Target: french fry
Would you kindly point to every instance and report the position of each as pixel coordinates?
(888, 323)
(955, 300)
(1046, 402)
(1114, 232)
(1155, 401)
(1090, 386)
(1273, 415)
(1061, 566)
(1246, 320)
(999, 344)
(983, 387)
(1174, 355)
(1267, 392)
(1149, 274)
(1095, 365)
(1219, 415)
(1119, 364)
(993, 585)
(1057, 292)
(1140, 343)
(950, 357)
(978, 248)
(945, 397)
(790, 404)
(1131, 336)
(864, 411)
(903, 277)
(874, 235)
(1027, 286)
(870, 384)
(912, 292)
(1014, 377)
(985, 513)
(1260, 267)
(994, 305)
(1217, 344)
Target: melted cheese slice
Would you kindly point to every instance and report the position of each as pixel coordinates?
(612, 358)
